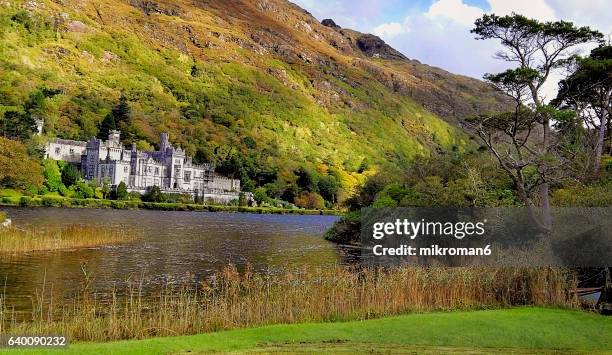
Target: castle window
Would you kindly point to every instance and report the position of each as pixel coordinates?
(125, 169)
(187, 176)
(156, 171)
(71, 151)
(57, 150)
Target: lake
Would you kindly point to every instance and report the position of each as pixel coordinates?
(172, 248)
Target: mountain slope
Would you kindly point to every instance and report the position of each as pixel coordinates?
(261, 87)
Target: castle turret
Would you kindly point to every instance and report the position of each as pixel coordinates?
(164, 139)
(114, 137)
(39, 126)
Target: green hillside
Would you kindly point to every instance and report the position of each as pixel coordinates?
(259, 87)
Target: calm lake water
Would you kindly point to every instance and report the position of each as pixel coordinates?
(174, 247)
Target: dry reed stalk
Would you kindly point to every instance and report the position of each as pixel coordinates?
(16, 240)
(231, 300)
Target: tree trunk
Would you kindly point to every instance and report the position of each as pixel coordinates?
(610, 135)
(542, 224)
(546, 216)
(603, 126)
(544, 193)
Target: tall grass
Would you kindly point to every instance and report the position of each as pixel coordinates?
(231, 300)
(29, 239)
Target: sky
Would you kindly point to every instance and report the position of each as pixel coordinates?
(437, 32)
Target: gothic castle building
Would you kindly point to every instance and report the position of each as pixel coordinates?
(169, 168)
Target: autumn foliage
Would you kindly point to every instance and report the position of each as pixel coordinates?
(17, 168)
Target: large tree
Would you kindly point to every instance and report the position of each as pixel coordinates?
(21, 124)
(537, 48)
(509, 136)
(108, 124)
(588, 91)
(70, 175)
(122, 111)
(17, 125)
(17, 169)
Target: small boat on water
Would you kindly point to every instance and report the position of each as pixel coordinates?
(590, 295)
(595, 290)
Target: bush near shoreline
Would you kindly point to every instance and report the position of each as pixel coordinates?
(66, 202)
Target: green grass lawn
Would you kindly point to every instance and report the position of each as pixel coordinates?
(518, 330)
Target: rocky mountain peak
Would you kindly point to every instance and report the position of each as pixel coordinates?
(330, 23)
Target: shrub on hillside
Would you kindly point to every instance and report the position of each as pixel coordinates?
(310, 200)
(121, 193)
(52, 175)
(70, 174)
(53, 201)
(583, 196)
(83, 190)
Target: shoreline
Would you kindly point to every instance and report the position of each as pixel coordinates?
(65, 202)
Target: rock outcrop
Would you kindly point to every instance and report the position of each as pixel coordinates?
(375, 47)
(330, 23)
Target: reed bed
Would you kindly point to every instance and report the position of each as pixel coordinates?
(233, 299)
(29, 239)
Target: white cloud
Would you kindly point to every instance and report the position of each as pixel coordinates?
(391, 29)
(449, 45)
(442, 37)
(537, 9)
(594, 13)
(453, 10)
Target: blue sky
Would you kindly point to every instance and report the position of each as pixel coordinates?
(364, 14)
(437, 32)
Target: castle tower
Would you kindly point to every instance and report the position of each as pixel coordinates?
(39, 125)
(114, 137)
(164, 139)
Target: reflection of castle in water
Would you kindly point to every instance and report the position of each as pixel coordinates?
(169, 168)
